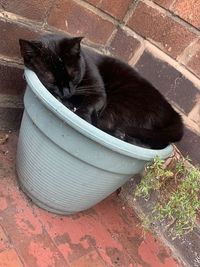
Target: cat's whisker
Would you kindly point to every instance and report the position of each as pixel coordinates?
(88, 90)
(89, 87)
(85, 93)
(92, 90)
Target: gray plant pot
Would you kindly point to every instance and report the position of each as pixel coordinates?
(66, 165)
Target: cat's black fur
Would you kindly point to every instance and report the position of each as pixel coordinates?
(106, 91)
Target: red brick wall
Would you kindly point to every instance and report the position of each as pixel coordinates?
(159, 37)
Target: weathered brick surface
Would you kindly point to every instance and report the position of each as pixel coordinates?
(11, 80)
(10, 119)
(10, 258)
(170, 36)
(164, 3)
(194, 62)
(188, 10)
(94, 2)
(9, 36)
(194, 115)
(107, 235)
(35, 9)
(170, 82)
(116, 9)
(4, 242)
(91, 259)
(77, 20)
(11, 83)
(123, 45)
(189, 146)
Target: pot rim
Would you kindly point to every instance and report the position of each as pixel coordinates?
(86, 128)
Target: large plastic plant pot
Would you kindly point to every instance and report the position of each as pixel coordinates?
(65, 164)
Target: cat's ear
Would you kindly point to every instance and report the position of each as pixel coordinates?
(29, 49)
(76, 45)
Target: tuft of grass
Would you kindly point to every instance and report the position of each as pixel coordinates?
(178, 188)
(154, 175)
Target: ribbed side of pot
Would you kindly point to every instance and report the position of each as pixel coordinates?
(56, 180)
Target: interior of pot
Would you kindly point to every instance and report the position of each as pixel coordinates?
(87, 129)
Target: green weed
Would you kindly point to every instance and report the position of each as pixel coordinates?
(178, 188)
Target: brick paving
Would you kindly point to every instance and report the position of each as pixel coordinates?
(107, 235)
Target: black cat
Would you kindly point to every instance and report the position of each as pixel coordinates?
(105, 91)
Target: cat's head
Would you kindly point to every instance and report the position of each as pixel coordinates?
(57, 62)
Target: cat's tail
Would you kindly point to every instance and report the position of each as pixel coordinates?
(160, 138)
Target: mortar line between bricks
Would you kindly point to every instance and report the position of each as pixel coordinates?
(36, 26)
(20, 257)
(99, 4)
(190, 124)
(45, 230)
(87, 42)
(179, 17)
(98, 12)
(11, 101)
(132, 33)
(173, 16)
(48, 11)
(163, 56)
(172, 4)
(178, 62)
(11, 62)
(16, 19)
(165, 8)
(126, 253)
(11, 17)
(137, 55)
(11, 245)
(112, 36)
(158, 53)
(130, 11)
(98, 253)
(17, 249)
(192, 73)
(184, 56)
